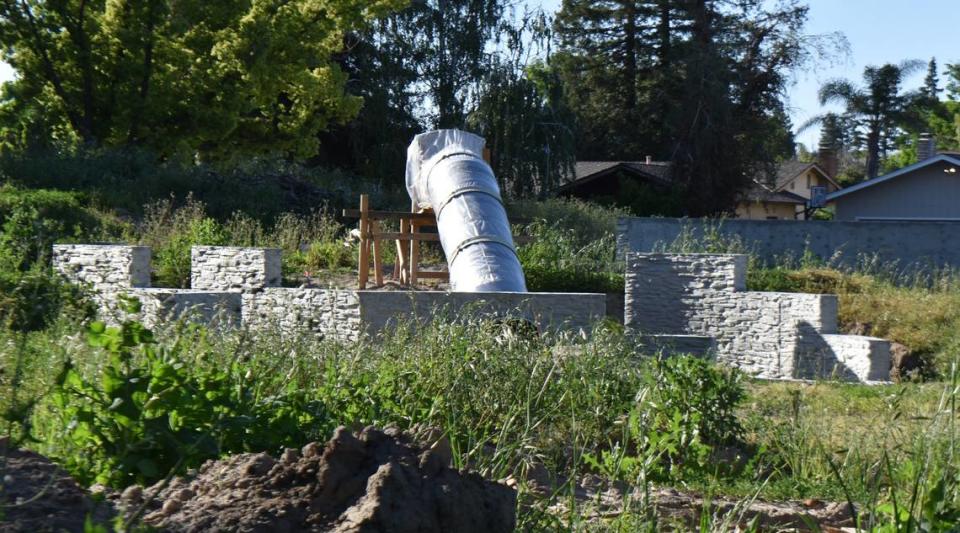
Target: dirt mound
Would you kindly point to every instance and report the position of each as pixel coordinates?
(37, 495)
(376, 481)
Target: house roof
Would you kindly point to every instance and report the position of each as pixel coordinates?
(948, 157)
(587, 171)
(792, 168)
(758, 194)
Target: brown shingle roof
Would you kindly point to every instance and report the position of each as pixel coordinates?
(584, 171)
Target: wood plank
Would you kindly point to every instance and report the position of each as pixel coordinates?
(363, 262)
(377, 257)
(420, 217)
(433, 274)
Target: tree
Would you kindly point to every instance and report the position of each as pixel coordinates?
(879, 109)
(188, 78)
(522, 113)
(698, 82)
(931, 83)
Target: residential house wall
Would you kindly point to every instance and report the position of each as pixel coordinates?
(928, 193)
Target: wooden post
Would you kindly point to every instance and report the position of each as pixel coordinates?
(377, 258)
(363, 261)
(400, 269)
(414, 248)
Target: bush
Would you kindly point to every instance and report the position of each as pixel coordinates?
(32, 300)
(152, 411)
(31, 295)
(171, 232)
(560, 259)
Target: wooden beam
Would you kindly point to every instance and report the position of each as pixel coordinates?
(420, 217)
(363, 261)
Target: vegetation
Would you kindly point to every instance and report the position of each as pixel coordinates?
(507, 403)
(179, 78)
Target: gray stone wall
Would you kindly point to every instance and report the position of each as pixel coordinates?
(212, 308)
(905, 245)
(239, 286)
(103, 267)
(328, 313)
(767, 334)
(226, 268)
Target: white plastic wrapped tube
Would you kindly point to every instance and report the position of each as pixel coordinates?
(446, 172)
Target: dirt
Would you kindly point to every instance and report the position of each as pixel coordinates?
(600, 500)
(37, 496)
(375, 481)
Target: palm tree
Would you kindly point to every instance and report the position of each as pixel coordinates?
(877, 110)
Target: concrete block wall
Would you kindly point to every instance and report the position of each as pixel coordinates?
(906, 245)
(226, 268)
(767, 334)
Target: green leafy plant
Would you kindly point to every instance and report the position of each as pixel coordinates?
(151, 411)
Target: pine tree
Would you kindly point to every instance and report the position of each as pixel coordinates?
(931, 83)
(698, 82)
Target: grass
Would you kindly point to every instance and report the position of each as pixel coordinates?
(510, 403)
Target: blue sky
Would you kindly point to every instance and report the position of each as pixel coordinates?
(878, 31)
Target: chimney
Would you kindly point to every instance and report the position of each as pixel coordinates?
(649, 159)
(828, 160)
(926, 147)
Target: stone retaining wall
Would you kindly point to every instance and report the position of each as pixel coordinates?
(240, 286)
(767, 334)
(227, 268)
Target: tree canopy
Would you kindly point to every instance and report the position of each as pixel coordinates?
(700, 83)
(191, 78)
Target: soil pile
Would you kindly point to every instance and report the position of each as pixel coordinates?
(376, 481)
(37, 495)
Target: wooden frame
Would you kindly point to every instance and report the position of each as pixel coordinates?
(407, 270)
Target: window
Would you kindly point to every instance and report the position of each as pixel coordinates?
(793, 185)
(808, 181)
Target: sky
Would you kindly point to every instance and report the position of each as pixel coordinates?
(878, 31)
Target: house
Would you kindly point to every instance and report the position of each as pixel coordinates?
(607, 178)
(645, 187)
(787, 197)
(926, 190)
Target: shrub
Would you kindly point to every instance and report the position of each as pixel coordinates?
(171, 231)
(152, 411)
(31, 296)
(559, 259)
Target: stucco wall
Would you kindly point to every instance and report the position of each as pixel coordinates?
(908, 245)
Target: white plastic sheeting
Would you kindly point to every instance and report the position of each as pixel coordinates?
(446, 172)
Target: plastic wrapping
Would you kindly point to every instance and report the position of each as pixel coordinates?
(446, 172)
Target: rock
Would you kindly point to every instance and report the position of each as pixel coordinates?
(904, 365)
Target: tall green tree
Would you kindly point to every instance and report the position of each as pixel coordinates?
(879, 108)
(698, 82)
(522, 113)
(185, 78)
(931, 82)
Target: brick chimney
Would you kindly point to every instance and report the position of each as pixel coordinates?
(828, 160)
(926, 147)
